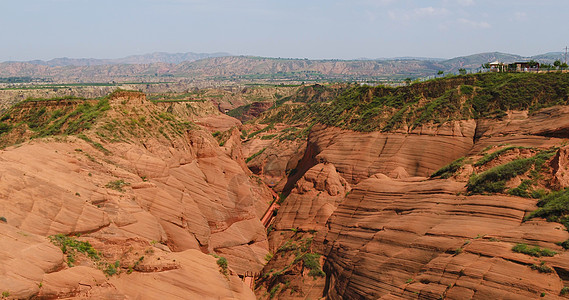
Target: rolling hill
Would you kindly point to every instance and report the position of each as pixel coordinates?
(218, 67)
(156, 57)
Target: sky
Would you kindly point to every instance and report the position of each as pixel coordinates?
(330, 29)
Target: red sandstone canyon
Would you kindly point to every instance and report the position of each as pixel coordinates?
(454, 188)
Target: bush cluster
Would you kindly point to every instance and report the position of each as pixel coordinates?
(533, 251)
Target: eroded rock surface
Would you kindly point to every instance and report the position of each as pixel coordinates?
(178, 189)
(392, 233)
(314, 198)
(421, 239)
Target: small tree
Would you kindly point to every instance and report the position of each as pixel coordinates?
(563, 66)
(441, 73)
(557, 63)
(546, 66)
(462, 71)
(408, 81)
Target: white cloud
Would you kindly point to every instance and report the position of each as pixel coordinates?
(458, 2)
(430, 11)
(398, 15)
(375, 3)
(466, 2)
(371, 17)
(519, 16)
(474, 24)
(417, 13)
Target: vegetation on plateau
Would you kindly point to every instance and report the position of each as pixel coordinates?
(73, 118)
(494, 180)
(381, 108)
(35, 118)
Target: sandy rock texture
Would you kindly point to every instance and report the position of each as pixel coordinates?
(34, 267)
(195, 276)
(25, 259)
(314, 198)
(389, 232)
(421, 239)
(544, 128)
(183, 194)
(359, 155)
(277, 160)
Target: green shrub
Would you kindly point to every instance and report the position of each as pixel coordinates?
(533, 251)
(5, 127)
(564, 244)
(239, 111)
(117, 185)
(3, 219)
(553, 207)
(439, 109)
(466, 89)
(396, 119)
(274, 290)
(311, 261)
(167, 116)
(267, 128)
(97, 146)
(491, 156)
(70, 245)
(494, 180)
(268, 137)
(111, 269)
(538, 194)
(541, 268)
(449, 170)
(288, 246)
(522, 189)
(564, 290)
(250, 158)
(306, 243)
(222, 264)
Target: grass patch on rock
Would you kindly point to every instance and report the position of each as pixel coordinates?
(533, 250)
(494, 180)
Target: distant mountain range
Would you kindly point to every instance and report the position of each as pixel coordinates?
(156, 57)
(222, 66)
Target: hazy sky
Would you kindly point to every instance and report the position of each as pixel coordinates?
(45, 29)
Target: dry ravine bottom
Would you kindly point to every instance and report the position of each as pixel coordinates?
(449, 189)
